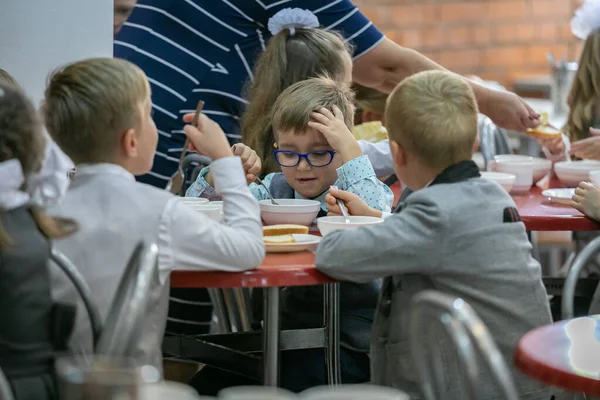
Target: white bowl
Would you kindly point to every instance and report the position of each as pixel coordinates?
(212, 212)
(595, 177)
(505, 180)
(194, 200)
(571, 173)
(329, 224)
(289, 211)
(521, 169)
(541, 166)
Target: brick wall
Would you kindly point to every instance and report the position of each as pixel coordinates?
(500, 40)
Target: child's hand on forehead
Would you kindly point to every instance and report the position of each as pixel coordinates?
(250, 160)
(332, 126)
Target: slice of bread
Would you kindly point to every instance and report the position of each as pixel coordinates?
(276, 230)
(279, 239)
(544, 130)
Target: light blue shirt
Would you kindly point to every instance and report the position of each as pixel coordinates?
(356, 176)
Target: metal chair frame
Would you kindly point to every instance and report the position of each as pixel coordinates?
(469, 335)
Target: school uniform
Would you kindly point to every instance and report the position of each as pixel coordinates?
(115, 213)
(302, 307)
(32, 328)
(461, 235)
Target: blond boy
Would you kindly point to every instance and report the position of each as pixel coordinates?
(99, 113)
(457, 233)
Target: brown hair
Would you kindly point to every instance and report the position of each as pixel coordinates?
(286, 60)
(433, 114)
(584, 98)
(369, 99)
(293, 108)
(90, 103)
(7, 78)
(21, 138)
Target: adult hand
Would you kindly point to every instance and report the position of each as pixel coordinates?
(250, 160)
(588, 148)
(353, 203)
(207, 137)
(509, 111)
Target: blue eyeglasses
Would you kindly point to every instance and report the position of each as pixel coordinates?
(317, 159)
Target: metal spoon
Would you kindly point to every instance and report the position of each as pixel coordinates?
(342, 207)
(176, 180)
(268, 191)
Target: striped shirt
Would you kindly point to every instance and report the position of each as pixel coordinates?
(205, 49)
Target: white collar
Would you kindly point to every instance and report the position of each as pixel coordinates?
(103, 169)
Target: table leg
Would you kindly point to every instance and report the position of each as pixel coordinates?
(332, 333)
(271, 337)
(216, 296)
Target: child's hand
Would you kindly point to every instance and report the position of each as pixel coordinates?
(588, 148)
(333, 127)
(250, 160)
(587, 200)
(555, 145)
(353, 203)
(207, 138)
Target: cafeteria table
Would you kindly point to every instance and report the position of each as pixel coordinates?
(565, 354)
(276, 271)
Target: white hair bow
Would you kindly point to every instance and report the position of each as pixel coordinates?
(11, 182)
(48, 186)
(586, 19)
(292, 18)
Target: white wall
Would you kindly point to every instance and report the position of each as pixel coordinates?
(36, 36)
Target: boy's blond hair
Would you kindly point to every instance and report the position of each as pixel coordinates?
(433, 114)
(293, 108)
(369, 99)
(89, 104)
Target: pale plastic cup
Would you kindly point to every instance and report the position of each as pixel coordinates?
(167, 390)
(523, 172)
(353, 392)
(95, 377)
(256, 393)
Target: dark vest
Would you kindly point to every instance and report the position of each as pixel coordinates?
(32, 328)
(302, 306)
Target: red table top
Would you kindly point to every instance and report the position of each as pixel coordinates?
(565, 354)
(277, 269)
(539, 214)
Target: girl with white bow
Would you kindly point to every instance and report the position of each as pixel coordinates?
(32, 328)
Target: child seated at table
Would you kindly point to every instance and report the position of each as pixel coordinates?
(312, 122)
(456, 233)
(99, 112)
(32, 328)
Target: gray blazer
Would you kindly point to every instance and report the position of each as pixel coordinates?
(455, 238)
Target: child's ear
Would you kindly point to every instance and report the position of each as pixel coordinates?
(476, 144)
(129, 143)
(398, 153)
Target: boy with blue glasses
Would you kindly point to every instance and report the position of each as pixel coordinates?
(312, 123)
(315, 148)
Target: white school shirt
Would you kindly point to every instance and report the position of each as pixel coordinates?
(114, 212)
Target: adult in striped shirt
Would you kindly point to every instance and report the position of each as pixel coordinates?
(205, 49)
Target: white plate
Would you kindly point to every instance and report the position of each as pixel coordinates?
(303, 242)
(559, 196)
